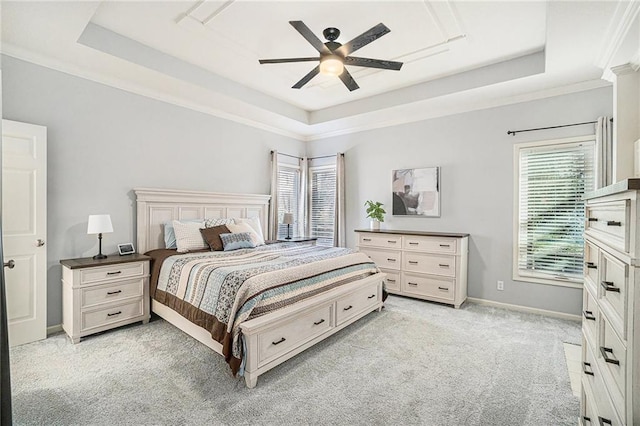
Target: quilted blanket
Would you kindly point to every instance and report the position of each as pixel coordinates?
(220, 290)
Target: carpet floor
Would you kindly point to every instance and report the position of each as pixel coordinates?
(413, 363)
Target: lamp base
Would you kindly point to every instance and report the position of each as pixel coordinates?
(99, 256)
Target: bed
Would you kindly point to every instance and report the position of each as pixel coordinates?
(264, 338)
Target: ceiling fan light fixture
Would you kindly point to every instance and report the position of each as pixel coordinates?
(331, 65)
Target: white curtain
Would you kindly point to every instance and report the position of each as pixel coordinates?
(301, 226)
(273, 203)
(604, 152)
(339, 230)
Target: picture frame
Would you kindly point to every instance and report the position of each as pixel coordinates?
(126, 248)
(416, 192)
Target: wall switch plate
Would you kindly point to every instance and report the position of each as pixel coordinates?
(500, 285)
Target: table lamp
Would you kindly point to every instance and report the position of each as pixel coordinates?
(288, 220)
(99, 224)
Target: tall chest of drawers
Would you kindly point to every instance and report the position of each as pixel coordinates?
(611, 307)
(425, 265)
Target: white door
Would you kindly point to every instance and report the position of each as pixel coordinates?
(24, 225)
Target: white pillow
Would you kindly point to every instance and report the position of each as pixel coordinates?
(188, 236)
(254, 223)
(244, 227)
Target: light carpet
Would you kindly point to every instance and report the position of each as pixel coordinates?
(413, 363)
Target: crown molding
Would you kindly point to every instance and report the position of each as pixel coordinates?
(624, 17)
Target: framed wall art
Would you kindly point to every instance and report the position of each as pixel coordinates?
(416, 192)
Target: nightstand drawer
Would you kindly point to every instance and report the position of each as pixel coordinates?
(107, 293)
(111, 315)
(112, 272)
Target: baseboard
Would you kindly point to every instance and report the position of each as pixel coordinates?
(521, 308)
(54, 329)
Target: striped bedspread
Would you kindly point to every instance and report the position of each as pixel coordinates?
(220, 290)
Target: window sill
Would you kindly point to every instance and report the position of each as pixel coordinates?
(549, 281)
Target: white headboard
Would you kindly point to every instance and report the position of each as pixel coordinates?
(157, 206)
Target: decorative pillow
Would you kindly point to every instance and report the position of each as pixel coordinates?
(243, 227)
(235, 241)
(217, 221)
(188, 236)
(170, 235)
(254, 223)
(212, 236)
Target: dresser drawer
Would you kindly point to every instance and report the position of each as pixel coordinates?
(430, 244)
(589, 367)
(112, 292)
(590, 313)
(113, 314)
(613, 290)
(380, 240)
(588, 415)
(430, 286)
(388, 259)
(112, 272)
(610, 221)
(354, 304)
(591, 261)
(436, 264)
(612, 361)
(279, 340)
(392, 281)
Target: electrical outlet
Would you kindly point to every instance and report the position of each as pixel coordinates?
(500, 285)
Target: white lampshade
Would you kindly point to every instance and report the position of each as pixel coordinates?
(288, 219)
(99, 224)
(331, 65)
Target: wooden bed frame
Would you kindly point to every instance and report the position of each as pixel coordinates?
(273, 338)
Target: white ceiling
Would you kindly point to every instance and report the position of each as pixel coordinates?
(203, 55)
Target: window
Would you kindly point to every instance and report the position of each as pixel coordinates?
(288, 196)
(322, 199)
(551, 179)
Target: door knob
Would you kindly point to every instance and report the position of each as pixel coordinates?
(39, 242)
(10, 264)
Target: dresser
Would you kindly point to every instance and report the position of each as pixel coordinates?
(611, 307)
(99, 295)
(425, 265)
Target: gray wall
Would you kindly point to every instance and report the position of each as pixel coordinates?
(476, 159)
(102, 142)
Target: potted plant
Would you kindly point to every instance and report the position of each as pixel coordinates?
(375, 212)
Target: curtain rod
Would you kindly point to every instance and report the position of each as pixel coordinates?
(513, 132)
(310, 158)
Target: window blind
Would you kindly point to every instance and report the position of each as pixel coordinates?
(322, 204)
(288, 190)
(553, 180)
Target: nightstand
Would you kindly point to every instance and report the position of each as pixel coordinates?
(311, 240)
(99, 295)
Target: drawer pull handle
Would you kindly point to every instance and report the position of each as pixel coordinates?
(586, 419)
(443, 265)
(412, 283)
(591, 265)
(391, 241)
(391, 260)
(443, 288)
(366, 239)
(604, 421)
(114, 314)
(592, 219)
(318, 322)
(114, 292)
(279, 341)
(413, 262)
(613, 223)
(445, 245)
(371, 297)
(588, 315)
(348, 307)
(584, 370)
(606, 351)
(608, 286)
(114, 273)
(413, 244)
(390, 280)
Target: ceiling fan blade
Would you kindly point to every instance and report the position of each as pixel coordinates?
(309, 36)
(284, 60)
(372, 63)
(307, 78)
(348, 80)
(362, 40)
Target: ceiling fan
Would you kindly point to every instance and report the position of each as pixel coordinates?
(334, 56)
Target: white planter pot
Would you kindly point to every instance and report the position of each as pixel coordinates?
(374, 225)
